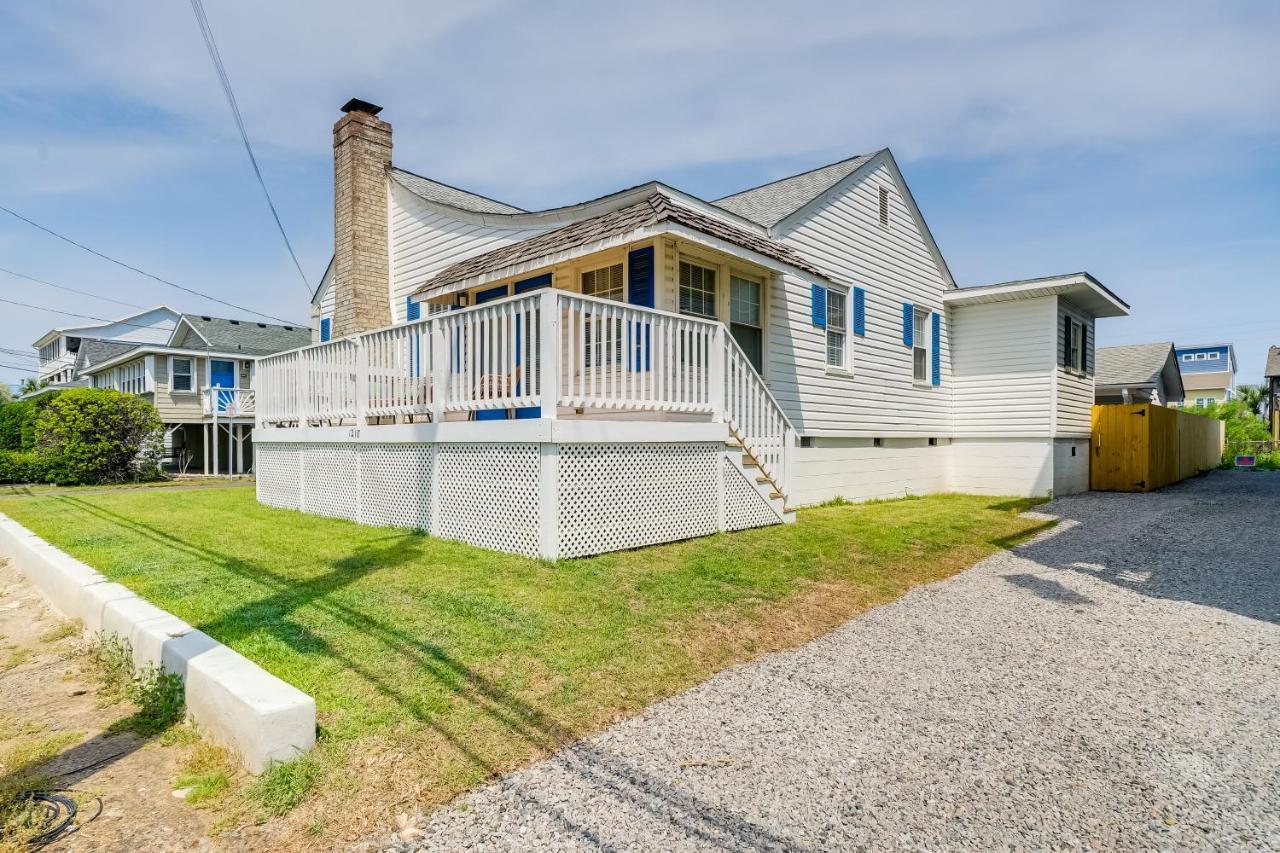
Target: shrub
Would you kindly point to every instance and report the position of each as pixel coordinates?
(17, 466)
(99, 436)
(17, 425)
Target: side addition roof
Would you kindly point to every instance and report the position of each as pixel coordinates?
(93, 351)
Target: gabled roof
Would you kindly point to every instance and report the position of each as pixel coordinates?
(1136, 365)
(86, 329)
(1273, 363)
(657, 208)
(770, 203)
(445, 194)
(93, 351)
(243, 336)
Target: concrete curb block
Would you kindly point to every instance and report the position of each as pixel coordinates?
(235, 702)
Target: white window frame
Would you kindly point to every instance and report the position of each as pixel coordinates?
(1188, 356)
(840, 329)
(195, 385)
(920, 344)
(716, 291)
(1202, 356)
(1075, 346)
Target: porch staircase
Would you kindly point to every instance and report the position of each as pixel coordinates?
(755, 474)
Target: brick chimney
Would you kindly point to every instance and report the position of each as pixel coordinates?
(361, 155)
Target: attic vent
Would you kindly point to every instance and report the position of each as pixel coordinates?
(206, 319)
(288, 328)
(262, 325)
(884, 206)
(234, 322)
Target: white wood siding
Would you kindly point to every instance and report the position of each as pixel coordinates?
(1074, 391)
(1002, 368)
(424, 242)
(879, 398)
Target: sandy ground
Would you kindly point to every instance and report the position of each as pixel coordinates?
(49, 693)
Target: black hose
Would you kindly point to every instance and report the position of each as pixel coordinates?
(52, 814)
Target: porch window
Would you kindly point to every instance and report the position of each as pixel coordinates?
(919, 346)
(744, 319)
(837, 320)
(180, 374)
(697, 290)
(604, 340)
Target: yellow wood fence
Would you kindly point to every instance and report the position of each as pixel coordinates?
(1140, 448)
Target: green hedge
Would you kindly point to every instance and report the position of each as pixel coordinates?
(100, 436)
(20, 466)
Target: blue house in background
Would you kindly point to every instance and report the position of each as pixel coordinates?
(1208, 373)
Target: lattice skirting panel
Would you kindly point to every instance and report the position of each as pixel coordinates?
(616, 496)
(744, 506)
(565, 500)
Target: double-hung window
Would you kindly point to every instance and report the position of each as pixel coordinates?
(180, 374)
(920, 345)
(1075, 352)
(603, 340)
(744, 319)
(837, 329)
(697, 290)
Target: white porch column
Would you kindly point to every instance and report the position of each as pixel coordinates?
(437, 337)
(548, 501)
(715, 373)
(214, 430)
(549, 357)
(362, 381)
(204, 434)
(239, 440)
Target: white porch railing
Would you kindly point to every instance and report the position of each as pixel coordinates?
(547, 349)
(230, 402)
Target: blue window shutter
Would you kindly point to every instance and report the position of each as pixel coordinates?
(640, 277)
(326, 329)
(859, 311)
(412, 310)
(534, 283)
(818, 306)
(936, 350)
(908, 322)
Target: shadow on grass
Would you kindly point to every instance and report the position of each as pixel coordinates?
(272, 613)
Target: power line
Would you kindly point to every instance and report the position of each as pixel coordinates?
(21, 353)
(17, 367)
(207, 32)
(68, 289)
(109, 322)
(164, 281)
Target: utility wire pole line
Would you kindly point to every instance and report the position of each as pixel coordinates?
(207, 32)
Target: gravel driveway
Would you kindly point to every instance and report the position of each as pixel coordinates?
(1115, 685)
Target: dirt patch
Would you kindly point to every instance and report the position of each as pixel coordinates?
(55, 722)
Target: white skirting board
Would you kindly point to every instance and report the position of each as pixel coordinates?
(235, 702)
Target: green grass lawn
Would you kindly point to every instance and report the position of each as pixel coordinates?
(435, 664)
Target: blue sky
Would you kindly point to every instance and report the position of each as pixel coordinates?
(1138, 141)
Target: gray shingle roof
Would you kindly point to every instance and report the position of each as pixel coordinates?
(248, 336)
(93, 351)
(1273, 362)
(445, 194)
(771, 203)
(1135, 364)
(653, 210)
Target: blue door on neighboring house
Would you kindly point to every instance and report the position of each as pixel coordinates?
(222, 374)
(481, 298)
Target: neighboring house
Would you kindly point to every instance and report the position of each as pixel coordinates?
(1271, 376)
(1139, 373)
(614, 346)
(58, 349)
(1208, 372)
(200, 379)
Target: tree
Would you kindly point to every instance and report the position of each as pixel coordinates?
(30, 385)
(1252, 396)
(95, 435)
(6, 394)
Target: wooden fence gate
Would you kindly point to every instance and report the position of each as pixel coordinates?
(1141, 448)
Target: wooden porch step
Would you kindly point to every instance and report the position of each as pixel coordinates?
(762, 480)
(775, 495)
